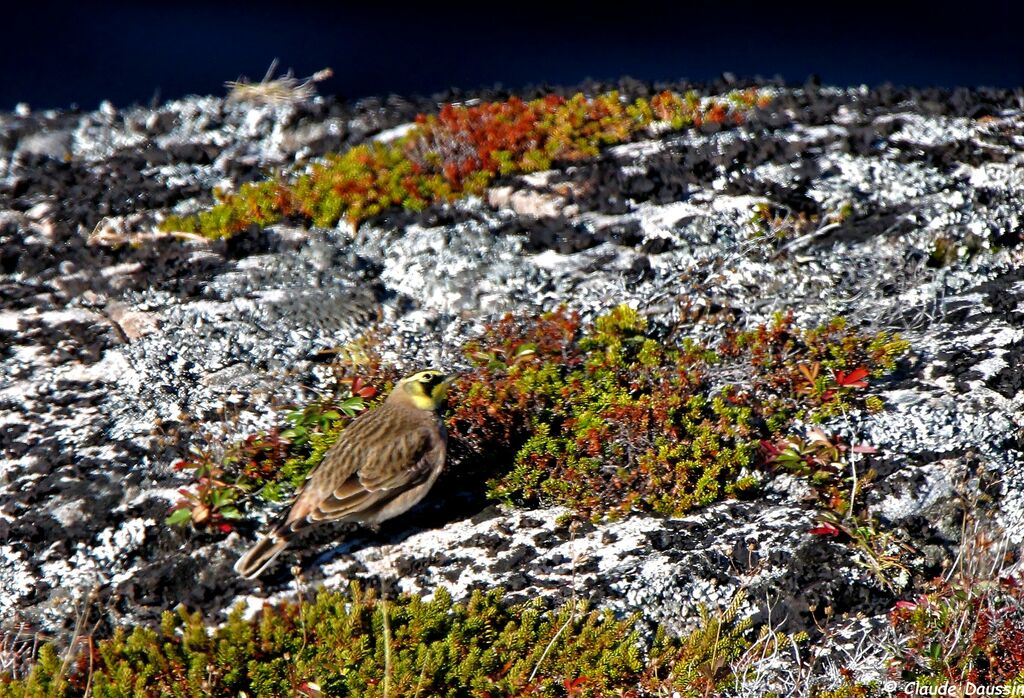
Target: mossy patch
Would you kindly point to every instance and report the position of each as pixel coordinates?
(353, 644)
(457, 152)
(611, 418)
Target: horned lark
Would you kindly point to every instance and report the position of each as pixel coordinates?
(383, 463)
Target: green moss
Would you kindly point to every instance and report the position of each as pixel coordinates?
(259, 204)
(612, 418)
(339, 645)
(452, 154)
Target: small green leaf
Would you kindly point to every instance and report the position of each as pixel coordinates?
(179, 517)
(352, 406)
(219, 498)
(271, 492)
(295, 434)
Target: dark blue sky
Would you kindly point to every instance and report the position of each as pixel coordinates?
(56, 54)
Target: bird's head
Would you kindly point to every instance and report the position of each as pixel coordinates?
(426, 390)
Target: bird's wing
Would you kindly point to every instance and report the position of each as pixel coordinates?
(404, 466)
(337, 468)
(381, 474)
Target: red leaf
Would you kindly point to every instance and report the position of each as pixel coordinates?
(361, 389)
(308, 688)
(853, 379)
(909, 605)
(825, 529)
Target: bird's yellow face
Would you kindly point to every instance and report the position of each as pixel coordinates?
(426, 390)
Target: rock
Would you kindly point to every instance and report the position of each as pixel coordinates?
(120, 350)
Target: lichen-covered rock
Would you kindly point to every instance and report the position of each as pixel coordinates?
(120, 349)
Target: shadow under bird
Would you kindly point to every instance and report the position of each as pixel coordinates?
(384, 462)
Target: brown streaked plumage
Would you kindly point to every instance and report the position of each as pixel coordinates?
(383, 463)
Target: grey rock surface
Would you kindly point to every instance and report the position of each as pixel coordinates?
(116, 359)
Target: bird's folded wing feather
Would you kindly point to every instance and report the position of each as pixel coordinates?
(404, 466)
(372, 476)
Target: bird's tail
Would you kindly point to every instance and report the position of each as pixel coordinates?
(254, 562)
